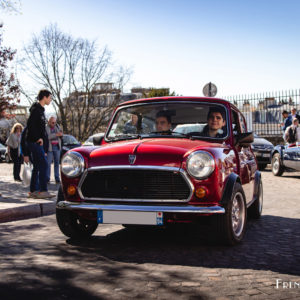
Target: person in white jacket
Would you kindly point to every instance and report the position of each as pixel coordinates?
(54, 135)
(292, 133)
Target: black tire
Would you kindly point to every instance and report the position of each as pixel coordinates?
(255, 210)
(277, 167)
(72, 225)
(230, 227)
(262, 166)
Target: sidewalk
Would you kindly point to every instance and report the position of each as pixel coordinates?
(15, 204)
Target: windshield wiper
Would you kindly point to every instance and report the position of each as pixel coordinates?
(182, 134)
(169, 132)
(161, 132)
(124, 137)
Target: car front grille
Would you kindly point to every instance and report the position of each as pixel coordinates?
(135, 184)
(263, 147)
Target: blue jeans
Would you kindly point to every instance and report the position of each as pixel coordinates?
(54, 154)
(40, 167)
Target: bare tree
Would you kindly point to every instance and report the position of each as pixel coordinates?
(9, 88)
(70, 68)
(10, 6)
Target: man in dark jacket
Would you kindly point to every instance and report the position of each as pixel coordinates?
(37, 141)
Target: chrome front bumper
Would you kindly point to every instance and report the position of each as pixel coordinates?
(170, 209)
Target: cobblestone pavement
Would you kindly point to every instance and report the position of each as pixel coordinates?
(116, 263)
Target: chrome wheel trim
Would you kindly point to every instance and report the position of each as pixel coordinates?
(238, 214)
(276, 165)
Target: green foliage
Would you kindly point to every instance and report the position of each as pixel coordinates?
(162, 92)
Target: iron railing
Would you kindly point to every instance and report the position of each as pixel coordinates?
(263, 111)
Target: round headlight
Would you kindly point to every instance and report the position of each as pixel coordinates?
(72, 164)
(200, 164)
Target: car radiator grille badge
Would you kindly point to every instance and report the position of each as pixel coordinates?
(132, 159)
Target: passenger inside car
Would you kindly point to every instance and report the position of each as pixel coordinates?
(131, 125)
(215, 123)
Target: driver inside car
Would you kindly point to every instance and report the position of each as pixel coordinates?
(163, 122)
(215, 123)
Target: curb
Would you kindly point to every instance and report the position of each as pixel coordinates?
(27, 212)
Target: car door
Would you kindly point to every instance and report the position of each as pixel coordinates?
(291, 157)
(246, 157)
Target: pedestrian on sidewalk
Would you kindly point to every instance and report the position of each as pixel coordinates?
(14, 150)
(286, 120)
(54, 133)
(292, 133)
(38, 145)
(294, 114)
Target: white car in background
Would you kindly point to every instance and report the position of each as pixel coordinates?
(187, 128)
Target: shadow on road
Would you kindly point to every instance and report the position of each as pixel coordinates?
(267, 246)
(112, 266)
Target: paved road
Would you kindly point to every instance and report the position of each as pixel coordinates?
(38, 262)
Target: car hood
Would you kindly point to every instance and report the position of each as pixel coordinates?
(261, 141)
(160, 152)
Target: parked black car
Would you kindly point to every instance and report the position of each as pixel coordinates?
(68, 142)
(2, 152)
(285, 158)
(262, 149)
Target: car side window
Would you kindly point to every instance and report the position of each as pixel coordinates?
(235, 123)
(242, 123)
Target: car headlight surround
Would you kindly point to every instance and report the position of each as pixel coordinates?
(72, 164)
(200, 164)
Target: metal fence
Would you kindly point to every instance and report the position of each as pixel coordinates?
(263, 111)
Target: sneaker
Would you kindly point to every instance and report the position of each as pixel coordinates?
(18, 180)
(33, 194)
(57, 181)
(44, 195)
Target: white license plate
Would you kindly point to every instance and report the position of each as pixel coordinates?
(129, 217)
(266, 155)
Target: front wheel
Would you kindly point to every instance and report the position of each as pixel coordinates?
(71, 224)
(231, 226)
(277, 167)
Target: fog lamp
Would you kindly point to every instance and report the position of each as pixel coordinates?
(71, 190)
(200, 192)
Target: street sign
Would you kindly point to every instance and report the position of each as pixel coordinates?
(210, 90)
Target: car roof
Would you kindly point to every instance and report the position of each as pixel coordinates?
(177, 98)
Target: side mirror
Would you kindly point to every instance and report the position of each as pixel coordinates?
(97, 140)
(244, 139)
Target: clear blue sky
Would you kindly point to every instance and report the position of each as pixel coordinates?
(243, 47)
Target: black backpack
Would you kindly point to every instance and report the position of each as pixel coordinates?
(24, 143)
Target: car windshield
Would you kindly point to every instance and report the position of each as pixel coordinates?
(171, 119)
(70, 140)
(2, 147)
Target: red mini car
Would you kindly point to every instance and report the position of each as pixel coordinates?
(162, 161)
